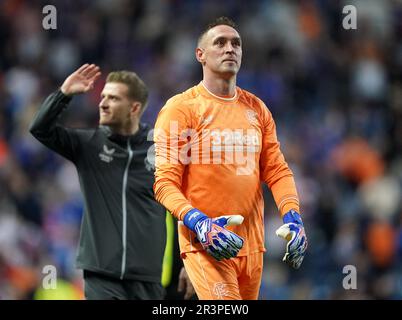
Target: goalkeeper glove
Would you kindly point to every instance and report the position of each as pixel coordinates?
(293, 231)
(219, 242)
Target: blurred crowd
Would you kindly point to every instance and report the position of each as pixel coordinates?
(335, 94)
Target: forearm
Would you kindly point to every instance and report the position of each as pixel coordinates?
(46, 118)
(171, 197)
(285, 193)
(44, 127)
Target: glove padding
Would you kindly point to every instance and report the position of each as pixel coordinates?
(293, 231)
(219, 242)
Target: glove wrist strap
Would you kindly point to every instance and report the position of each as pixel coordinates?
(193, 217)
(292, 216)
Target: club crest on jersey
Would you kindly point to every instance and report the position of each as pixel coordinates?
(251, 116)
(107, 154)
(221, 289)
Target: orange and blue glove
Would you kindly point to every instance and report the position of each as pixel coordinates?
(218, 241)
(293, 232)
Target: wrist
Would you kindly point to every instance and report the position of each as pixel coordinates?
(66, 93)
(192, 218)
(292, 216)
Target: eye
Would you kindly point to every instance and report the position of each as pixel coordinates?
(220, 42)
(236, 43)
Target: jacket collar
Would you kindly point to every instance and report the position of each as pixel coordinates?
(135, 139)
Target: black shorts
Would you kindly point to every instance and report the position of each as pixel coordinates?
(102, 287)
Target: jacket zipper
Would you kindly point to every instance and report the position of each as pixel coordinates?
(124, 206)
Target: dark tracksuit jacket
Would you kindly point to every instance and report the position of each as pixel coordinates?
(123, 232)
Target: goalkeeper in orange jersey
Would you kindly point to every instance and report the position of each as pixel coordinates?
(215, 143)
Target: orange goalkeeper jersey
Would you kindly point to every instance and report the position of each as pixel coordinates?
(212, 154)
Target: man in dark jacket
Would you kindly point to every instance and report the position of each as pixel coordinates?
(123, 231)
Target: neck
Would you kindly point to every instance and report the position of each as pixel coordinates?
(220, 86)
(127, 130)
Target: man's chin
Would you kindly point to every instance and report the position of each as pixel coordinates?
(230, 72)
(104, 122)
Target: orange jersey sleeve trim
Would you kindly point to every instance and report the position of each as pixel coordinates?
(285, 195)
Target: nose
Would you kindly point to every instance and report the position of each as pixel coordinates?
(103, 103)
(229, 47)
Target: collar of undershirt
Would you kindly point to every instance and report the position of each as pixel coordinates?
(219, 97)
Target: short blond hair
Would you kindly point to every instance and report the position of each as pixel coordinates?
(137, 90)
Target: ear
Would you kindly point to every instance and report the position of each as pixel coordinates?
(136, 108)
(200, 55)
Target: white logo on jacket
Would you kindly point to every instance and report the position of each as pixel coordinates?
(106, 155)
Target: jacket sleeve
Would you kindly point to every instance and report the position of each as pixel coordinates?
(275, 171)
(171, 121)
(45, 128)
